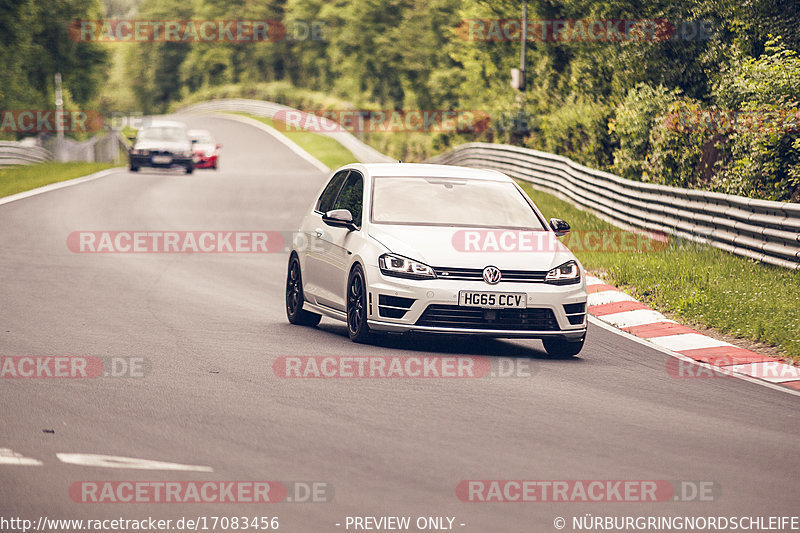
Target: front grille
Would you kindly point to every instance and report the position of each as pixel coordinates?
(454, 316)
(393, 306)
(476, 274)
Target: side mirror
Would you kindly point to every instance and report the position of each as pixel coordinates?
(559, 226)
(194, 141)
(132, 138)
(339, 218)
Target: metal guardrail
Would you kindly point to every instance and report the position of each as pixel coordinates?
(363, 152)
(101, 148)
(15, 153)
(759, 229)
(104, 147)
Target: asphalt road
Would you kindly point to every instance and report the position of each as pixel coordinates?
(210, 327)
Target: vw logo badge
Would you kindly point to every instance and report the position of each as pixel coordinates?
(491, 275)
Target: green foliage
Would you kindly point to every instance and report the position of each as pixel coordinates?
(35, 45)
(677, 146)
(606, 104)
(764, 160)
(281, 92)
(635, 118)
(576, 129)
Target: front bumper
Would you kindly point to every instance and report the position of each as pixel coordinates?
(542, 299)
(203, 161)
(147, 161)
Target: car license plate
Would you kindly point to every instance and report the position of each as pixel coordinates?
(493, 300)
(162, 159)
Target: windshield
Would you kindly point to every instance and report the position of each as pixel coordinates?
(451, 202)
(202, 137)
(163, 133)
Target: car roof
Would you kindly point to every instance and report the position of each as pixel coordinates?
(164, 124)
(199, 132)
(428, 170)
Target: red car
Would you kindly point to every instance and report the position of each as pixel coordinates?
(206, 151)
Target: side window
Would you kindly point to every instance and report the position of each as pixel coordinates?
(352, 197)
(325, 202)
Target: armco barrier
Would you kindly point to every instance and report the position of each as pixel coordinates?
(104, 148)
(14, 153)
(100, 148)
(363, 152)
(759, 229)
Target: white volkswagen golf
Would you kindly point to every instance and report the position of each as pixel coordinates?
(397, 247)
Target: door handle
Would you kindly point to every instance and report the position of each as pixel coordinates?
(319, 232)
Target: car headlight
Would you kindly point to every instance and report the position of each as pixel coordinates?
(564, 274)
(139, 152)
(187, 153)
(403, 267)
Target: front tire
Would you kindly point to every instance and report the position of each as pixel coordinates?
(294, 297)
(357, 326)
(189, 169)
(563, 347)
(133, 168)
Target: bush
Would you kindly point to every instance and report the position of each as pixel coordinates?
(635, 120)
(681, 154)
(764, 160)
(578, 130)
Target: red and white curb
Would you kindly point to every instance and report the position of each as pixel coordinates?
(718, 358)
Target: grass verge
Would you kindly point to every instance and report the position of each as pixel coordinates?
(26, 177)
(697, 283)
(327, 150)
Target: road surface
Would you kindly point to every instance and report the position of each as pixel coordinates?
(210, 327)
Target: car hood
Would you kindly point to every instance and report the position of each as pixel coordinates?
(172, 146)
(447, 246)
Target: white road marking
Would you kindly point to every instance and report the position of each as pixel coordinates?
(591, 280)
(687, 341)
(10, 457)
(609, 297)
(637, 317)
(772, 371)
(111, 461)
